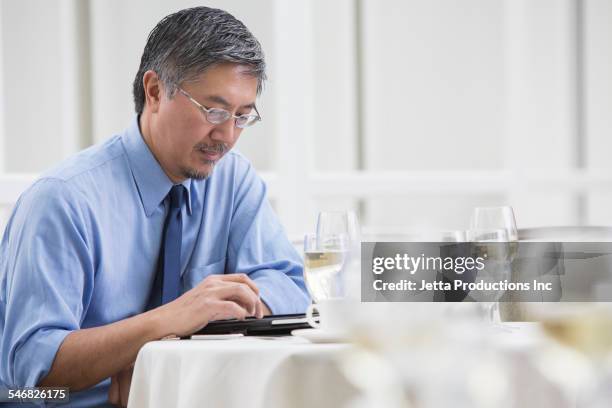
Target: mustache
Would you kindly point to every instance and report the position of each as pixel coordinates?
(216, 148)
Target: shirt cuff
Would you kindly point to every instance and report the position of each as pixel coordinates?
(34, 359)
(279, 292)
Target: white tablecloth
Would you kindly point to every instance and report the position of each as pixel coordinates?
(241, 372)
(291, 372)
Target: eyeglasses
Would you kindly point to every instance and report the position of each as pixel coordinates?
(218, 116)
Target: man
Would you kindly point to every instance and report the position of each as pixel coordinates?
(155, 232)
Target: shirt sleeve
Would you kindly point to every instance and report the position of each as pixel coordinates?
(258, 246)
(46, 278)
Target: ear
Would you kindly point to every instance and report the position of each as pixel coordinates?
(152, 90)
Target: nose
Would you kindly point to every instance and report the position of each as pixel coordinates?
(225, 132)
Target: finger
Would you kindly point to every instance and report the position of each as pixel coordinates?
(238, 293)
(126, 382)
(113, 392)
(226, 309)
(260, 310)
(240, 278)
(255, 311)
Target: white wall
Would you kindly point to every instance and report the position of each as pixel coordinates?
(598, 102)
(32, 71)
(434, 94)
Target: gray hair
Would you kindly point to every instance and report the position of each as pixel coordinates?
(184, 44)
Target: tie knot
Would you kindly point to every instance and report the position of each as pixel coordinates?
(176, 196)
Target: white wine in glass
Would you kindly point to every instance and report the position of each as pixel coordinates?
(333, 224)
(324, 260)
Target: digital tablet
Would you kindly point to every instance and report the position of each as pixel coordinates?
(251, 326)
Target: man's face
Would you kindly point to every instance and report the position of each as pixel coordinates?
(187, 144)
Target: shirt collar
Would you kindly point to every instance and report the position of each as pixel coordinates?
(152, 182)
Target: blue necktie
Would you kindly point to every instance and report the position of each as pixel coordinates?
(170, 260)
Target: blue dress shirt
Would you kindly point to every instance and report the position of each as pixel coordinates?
(81, 248)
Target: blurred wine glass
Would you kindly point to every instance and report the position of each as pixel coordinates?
(587, 329)
(493, 218)
(496, 218)
(494, 247)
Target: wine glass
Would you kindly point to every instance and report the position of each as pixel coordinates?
(493, 247)
(494, 218)
(332, 224)
(324, 259)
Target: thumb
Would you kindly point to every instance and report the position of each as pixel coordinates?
(113, 392)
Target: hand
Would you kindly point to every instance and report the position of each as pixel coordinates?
(216, 297)
(120, 387)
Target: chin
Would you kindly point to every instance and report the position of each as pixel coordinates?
(199, 174)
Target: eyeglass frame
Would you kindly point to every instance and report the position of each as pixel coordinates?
(206, 111)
